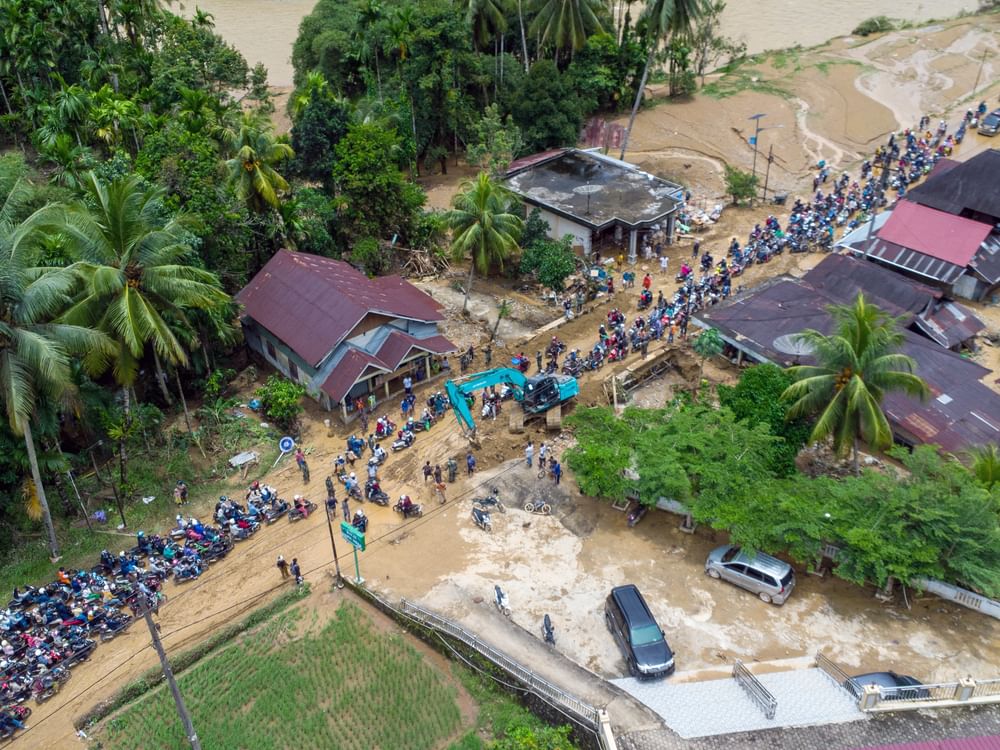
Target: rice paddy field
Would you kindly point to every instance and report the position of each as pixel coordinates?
(301, 682)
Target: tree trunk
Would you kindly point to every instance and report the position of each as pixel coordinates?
(638, 99)
(496, 326)
(122, 454)
(468, 286)
(416, 148)
(161, 379)
(180, 390)
(29, 443)
(857, 468)
(6, 101)
(524, 39)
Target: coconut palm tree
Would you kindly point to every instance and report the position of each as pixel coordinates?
(486, 18)
(663, 18)
(251, 169)
(483, 225)
(986, 464)
(35, 353)
(134, 264)
(567, 23)
(856, 366)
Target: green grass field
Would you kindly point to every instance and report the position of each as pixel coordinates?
(341, 685)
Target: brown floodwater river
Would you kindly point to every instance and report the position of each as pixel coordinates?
(264, 30)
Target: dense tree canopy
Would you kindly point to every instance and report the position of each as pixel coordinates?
(931, 519)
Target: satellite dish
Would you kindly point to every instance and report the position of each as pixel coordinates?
(792, 343)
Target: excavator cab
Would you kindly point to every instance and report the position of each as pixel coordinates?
(540, 393)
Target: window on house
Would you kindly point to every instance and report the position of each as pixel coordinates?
(270, 351)
(293, 371)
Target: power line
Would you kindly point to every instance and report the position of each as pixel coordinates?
(431, 514)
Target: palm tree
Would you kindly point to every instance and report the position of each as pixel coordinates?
(68, 161)
(251, 169)
(986, 464)
(315, 85)
(567, 23)
(663, 17)
(856, 367)
(486, 19)
(35, 353)
(135, 267)
(202, 19)
(482, 224)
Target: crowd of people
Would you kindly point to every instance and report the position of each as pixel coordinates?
(47, 630)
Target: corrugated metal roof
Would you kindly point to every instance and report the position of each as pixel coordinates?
(389, 357)
(968, 188)
(347, 372)
(961, 412)
(912, 261)
(310, 302)
(964, 743)
(935, 233)
(949, 324)
(986, 264)
(532, 159)
(842, 277)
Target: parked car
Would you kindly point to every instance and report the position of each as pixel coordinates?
(990, 124)
(769, 578)
(642, 642)
(855, 685)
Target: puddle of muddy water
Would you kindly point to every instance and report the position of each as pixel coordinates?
(550, 565)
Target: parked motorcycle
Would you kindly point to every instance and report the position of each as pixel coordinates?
(482, 519)
(114, 627)
(186, 572)
(500, 600)
(492, 501)
(538, 507)
(636, 513)
(276, 511)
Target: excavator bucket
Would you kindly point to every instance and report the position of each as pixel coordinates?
(516, 421)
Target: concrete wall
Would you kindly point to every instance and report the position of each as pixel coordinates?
(258, 338)
(560, 227)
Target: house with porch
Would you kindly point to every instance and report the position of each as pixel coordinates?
(324, 324)
(598, 200)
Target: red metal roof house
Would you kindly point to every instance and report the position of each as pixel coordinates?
(342, 335)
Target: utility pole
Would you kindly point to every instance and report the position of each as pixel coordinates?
(980, 71)
(178, 698)
(333, 544)
(883, 183)
(756, 137)
(767, 174)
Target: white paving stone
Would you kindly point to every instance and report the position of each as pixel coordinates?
(701, 709)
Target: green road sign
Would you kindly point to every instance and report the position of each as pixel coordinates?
(352, 536)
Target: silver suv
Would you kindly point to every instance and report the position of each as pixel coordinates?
(769, 578)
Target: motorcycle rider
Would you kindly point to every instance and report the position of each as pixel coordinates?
(379, 453)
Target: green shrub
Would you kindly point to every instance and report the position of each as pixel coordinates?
(281, 400)
(873, 25)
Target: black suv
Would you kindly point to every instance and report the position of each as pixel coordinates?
(643, 644)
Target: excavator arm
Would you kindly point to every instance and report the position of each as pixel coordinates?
(458, 389)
